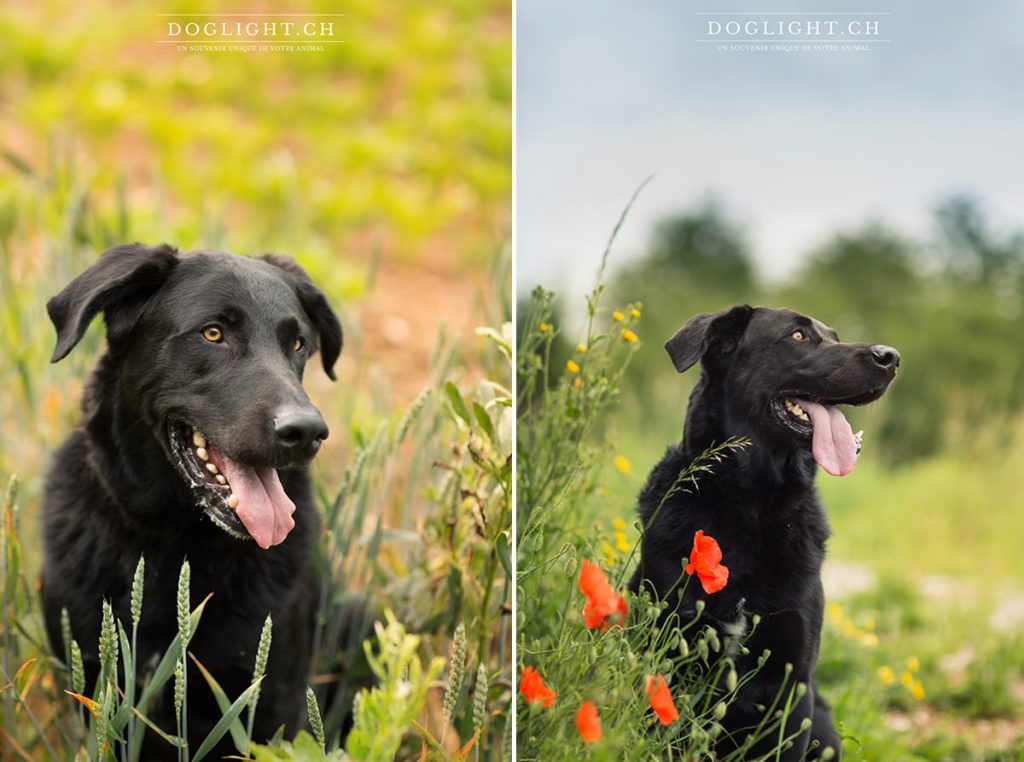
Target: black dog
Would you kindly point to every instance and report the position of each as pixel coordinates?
(773, 377)
(195, 436)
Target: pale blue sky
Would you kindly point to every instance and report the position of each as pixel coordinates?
(794, 145)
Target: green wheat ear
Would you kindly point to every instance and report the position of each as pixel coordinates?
(65, 627)
(184, 623)
(262, 654)
(77, 669)
(108, 643)
(455, 672)
(137, 582)
(315, 720)
(480, 699)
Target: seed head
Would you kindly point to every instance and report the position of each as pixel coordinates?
(137, 583)
(184, 622)
(480, 699)
(456, 671)
(315, 721)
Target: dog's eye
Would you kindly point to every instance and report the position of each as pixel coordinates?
(213, 334)
(797, 335)
(299, 344)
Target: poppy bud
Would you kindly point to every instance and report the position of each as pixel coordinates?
(806, 724)
(828, 754)
(756, 619)
(720, 710)
(713, 641)
(699, 607)
(801, 689)
(730, 680)
(684, 648)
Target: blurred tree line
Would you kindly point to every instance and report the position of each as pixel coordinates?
(951, 304)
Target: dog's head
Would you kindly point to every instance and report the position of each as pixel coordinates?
(779, 375)
(210, 350)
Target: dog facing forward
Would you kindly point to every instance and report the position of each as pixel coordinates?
(775, 378)
(194, 441)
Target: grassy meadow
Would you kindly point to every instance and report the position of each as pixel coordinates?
(923, 646)
(382, 166)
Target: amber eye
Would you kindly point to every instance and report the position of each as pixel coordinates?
(213, 334)
(797, 335)
(299, 344)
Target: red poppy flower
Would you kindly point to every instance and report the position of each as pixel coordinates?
(660, 699)
(587, 722)
(604, 607)
(706, 561)
(533, 688)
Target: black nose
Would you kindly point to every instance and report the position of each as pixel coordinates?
(885, 356)
(299, 431)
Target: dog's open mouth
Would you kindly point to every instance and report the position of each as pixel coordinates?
(242, 500)
(833, 443)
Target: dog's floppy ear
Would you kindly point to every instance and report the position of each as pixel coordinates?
(117, 284)
(315, 304)
(691, 341)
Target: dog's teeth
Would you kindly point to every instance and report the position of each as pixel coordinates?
(232, 501)
(202, 453)
(221, 479)
(211, 468)
(198, 440)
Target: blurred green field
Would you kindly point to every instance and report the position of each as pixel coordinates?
(383, 165)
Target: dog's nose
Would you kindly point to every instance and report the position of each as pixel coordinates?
(885, 356)
(299, 430)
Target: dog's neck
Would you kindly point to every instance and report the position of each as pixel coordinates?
(123, 446)
(759, 464)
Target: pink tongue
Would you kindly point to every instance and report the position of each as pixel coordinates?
(263, 506)
(834, 446)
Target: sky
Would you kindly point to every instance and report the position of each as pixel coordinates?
(794, 146)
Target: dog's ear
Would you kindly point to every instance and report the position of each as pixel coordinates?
(117, 284)
(693, 340)
(315, 304)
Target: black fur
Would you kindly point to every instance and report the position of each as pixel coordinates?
(114, 491)
(760, 502)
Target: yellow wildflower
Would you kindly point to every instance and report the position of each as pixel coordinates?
(572, 367)
(849, 630)
(913, 664)
(629, 336)
(618, 316)
(581, 348)
(635, 312)
(622, 544)
(578, 383)
(835, 613)
(544, 327)
(618, 524)
(869, 639)
(907, 679)
(886, 675)
(917, 690)
(609, 551)
(622, 464)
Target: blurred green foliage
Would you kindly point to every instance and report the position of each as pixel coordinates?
(400, 135)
